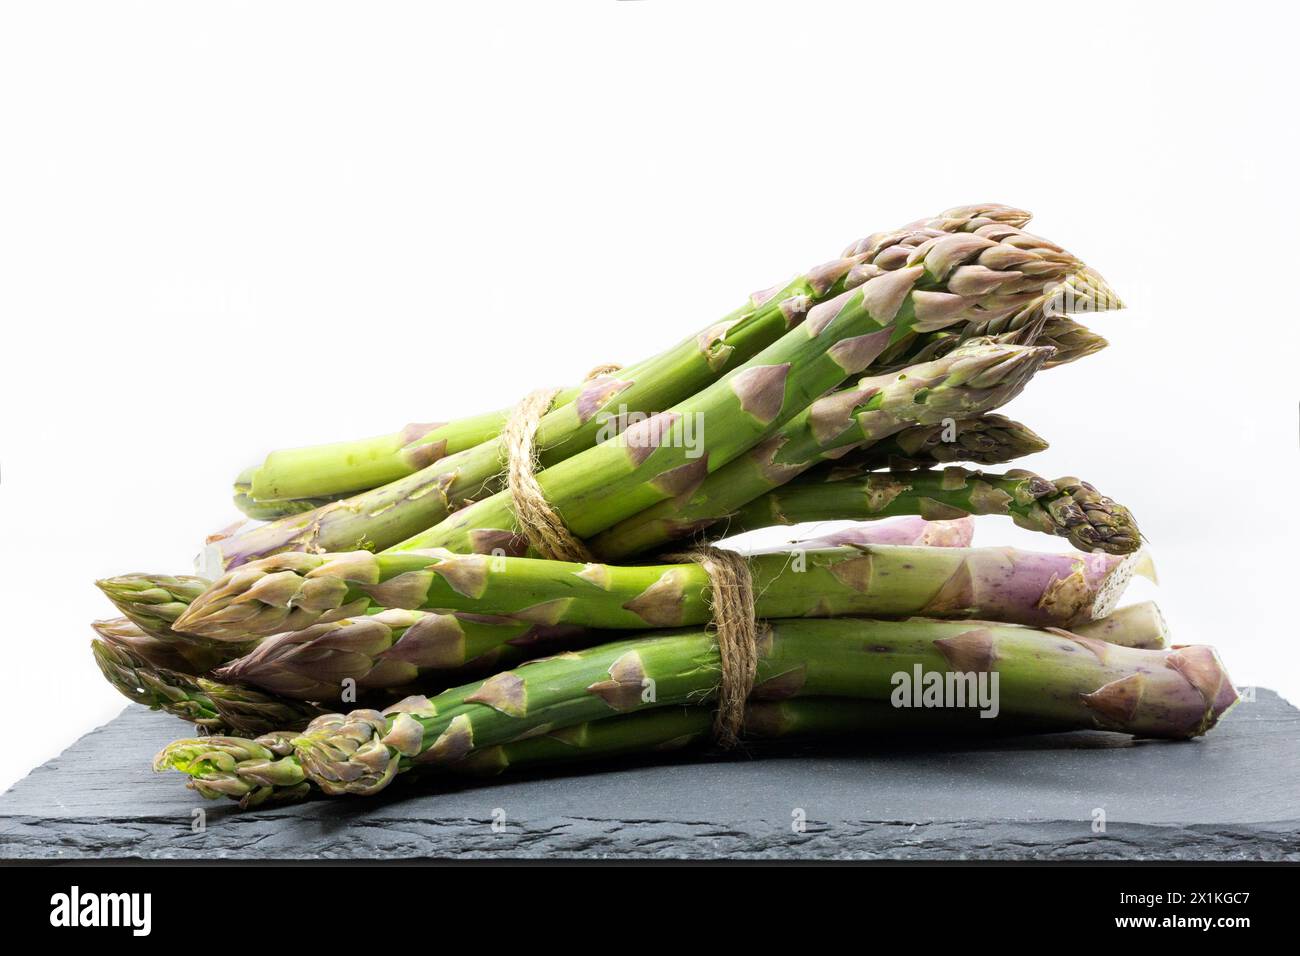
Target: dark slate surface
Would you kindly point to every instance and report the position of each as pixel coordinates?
(1234, 795)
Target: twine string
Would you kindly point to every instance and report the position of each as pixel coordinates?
(732, 602)
(736, 627)
(540, 523)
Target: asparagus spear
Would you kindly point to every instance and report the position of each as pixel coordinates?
(341, 468)
(1066, 507)
(1068, 680)
(1083, 292)
(665, 456)
(971, 380)
(983, 440)
(387, 515)
(1137, 625)
(212, 705)
(346, 467)
(172, 653)
(1017, 315)
(1042, 320)
(272, 509)
(670, 729)
(1071, 340)
(392, 648)
(153, 601)
(194, 655)
(293, 592)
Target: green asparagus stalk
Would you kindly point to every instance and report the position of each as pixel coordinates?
(670, 453)
(273, 509)
(387, 515)
(1058, 677)
(342, 468)
(1137, 625)
(984, 440)
(1067, 507)
(212, 705)
(294, 592)
(974, 379)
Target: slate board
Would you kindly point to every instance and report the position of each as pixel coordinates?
(1234, 795)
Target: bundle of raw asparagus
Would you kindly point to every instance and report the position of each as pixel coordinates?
(466, 570)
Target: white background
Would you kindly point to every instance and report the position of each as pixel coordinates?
(228, 228)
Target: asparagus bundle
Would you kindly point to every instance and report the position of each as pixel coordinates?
(417, 497)
(941, 279)
(1057, 677)
(149, 672)
(294, 591)
(345, 467)
(998, 583)
(395, 566)
(657, 459)
(153, 635)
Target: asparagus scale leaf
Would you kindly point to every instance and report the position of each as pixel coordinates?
(1137, 625)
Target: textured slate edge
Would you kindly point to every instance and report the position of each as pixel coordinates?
(141, 821)
(381, 837)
